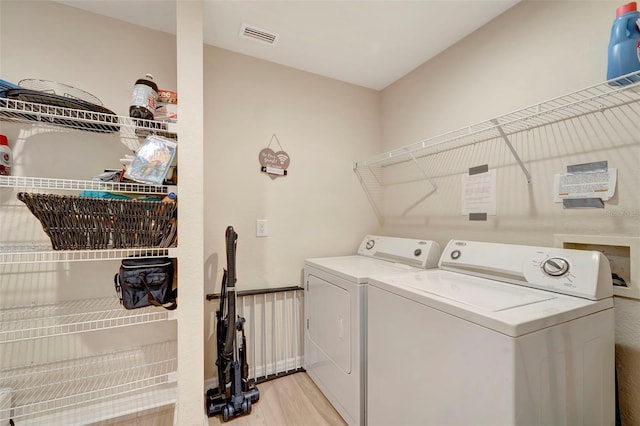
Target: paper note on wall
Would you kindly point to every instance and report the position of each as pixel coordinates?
(597, 184)
(479, 193)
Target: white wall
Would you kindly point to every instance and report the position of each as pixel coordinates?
(534, 52)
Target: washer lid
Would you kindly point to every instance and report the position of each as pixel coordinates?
(357, 268)
(380, 256)
(503, 307)
(482, 295)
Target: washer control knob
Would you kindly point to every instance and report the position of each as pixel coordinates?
(555, 266)
(370, 244)
(417, 252)
(455, 254)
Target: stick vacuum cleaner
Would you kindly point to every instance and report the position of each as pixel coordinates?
(235, 393)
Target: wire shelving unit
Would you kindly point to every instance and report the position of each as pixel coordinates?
(43, 253)
(40, 393)
(82, 185)
(37, 321)
(380, 172)
(90, 388)
(128, 129)
(597, 98)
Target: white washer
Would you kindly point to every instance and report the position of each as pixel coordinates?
(335, 307)
(499, 335)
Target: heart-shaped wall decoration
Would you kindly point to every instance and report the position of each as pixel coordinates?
(274, 163)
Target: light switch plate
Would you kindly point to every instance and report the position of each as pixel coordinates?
(261, 228)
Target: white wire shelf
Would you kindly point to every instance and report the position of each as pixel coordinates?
(600, 97)
(37, 321)
(83, 185)
(128, 129)
(111, 408)
(52, 393)
(43, 253)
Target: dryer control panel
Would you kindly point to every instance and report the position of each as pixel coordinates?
(578, 273)
(418, 253)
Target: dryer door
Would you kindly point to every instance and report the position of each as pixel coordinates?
(333, 341)
(328, 323)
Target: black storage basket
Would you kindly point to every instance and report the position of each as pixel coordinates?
(81, 223)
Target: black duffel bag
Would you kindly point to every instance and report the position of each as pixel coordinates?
(146, 281)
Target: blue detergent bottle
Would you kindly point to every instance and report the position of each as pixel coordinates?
(624, 44)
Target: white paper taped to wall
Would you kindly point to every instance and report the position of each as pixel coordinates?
(479, 193)
(598, 184)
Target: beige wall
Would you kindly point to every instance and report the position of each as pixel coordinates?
(533, 52)
(536, 51)
(318, 209)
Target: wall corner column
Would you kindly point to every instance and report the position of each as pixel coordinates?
(190, 74)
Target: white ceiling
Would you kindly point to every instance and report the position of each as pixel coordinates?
(368, 43)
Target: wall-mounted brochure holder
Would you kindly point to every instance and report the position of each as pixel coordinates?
(585, 186)
(623, 254)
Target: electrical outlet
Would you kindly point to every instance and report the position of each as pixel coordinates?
(261, 228)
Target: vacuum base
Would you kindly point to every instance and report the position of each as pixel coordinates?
(231, 406)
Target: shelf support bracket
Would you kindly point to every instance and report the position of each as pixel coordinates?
(422, 171)
(512, 149)
(369, 194)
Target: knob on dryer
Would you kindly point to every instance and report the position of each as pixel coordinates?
(555, 266)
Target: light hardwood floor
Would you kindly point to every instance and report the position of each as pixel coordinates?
(292, 400)
(288, 401)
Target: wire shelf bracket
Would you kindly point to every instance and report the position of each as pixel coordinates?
(422, 171)
(504, 136)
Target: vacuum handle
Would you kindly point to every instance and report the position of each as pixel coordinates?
(231, 241)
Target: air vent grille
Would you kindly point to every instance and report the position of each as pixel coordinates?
(258, 34)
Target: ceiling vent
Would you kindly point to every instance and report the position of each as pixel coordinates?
(258, 34)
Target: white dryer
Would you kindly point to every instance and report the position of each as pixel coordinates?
(335, 307)
(499, 335)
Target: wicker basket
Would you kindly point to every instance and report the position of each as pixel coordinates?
(79, 223)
